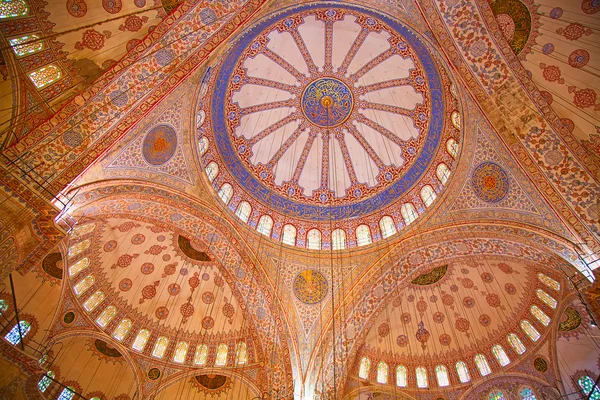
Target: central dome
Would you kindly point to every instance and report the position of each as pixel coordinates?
(327, 102)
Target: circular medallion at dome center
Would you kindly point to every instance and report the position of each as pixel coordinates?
(327, 102)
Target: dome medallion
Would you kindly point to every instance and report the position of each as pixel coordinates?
(325, 113)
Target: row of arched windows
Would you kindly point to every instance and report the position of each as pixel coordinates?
(525, 393)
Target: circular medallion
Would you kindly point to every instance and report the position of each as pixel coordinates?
(310, 286)
(327, 102)
(69, 317)
(490, 182)
(159, 145)
(77, 8)
(154, 374)
(540, 364)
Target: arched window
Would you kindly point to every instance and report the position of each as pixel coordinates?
(241, 353)
(338, 239)
(83, 285)
(443, 173)
(500, 355)
(122, 329)
(427, 195)
(442, 375)
(314, 239)
(25, 45)
(409, 213)
(530, 330)
(463, 372)
(551, 283)
(180, 352)
(401, 376)
(265, 225)
(93, 301)
(81, 230)
(45, 76)
(497, 395)
(13, 8)
(387, 226)
(527, 394)
(363, 235)
(540, 315)
(588, 386)
(160, 347)
(212, 170)
(456, 119)
(14, 336)
(516, 343)
(482, 365)
(226, 192)
(289, 235)
(243, 211)
(382, 372)
(106, 316)
(546, 298)
(79, 266)
(3, 306)
(221, 355)
(67, 394)
(203, 145)
(140, 340)
(78, 247)
(452, 147)
(365, 366)
(201, 354)
(200, 118)
(45, 381)
(422, 377)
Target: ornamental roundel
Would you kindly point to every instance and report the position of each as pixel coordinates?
(310, 286)
(159, 145)
(490, 182)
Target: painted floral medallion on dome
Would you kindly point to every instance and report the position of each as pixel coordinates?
(327, 102)
(310, 286)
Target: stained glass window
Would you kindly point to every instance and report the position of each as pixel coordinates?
(442, 375)
(106, 316)
(45, 75)
(443, 173)
(427, 195)
(551, 283)
(421, 377)
(140, 340)
(338, 239)
(540, 315)
(83, 285)
(180, 352)
(365, 366)
(409, 213)
(289, 235)
(241, 353)
(212, 170)
(382, 372)
(81, 230)
(387, 226)
(587, 385)
(516, 343)
(243, 211)
(14, 337)
(456, 119)
(67, 394)
(203, 145)
(122, 329)
(546, 298)
(527, 394)
(3, 306)
(79, 266)
(500, 355)
(226, 192)
(265, 225)
(45, 381)
(92, 302)
(201, 354)
(78, 247)
(221, 355)
(530, 330)
(452, 147)
(200, 118)
(160, 347)
(13, 8)
(26, 45)
(363, 235)
(482, 365)
(463, 372)
(497, 395)
(401, 378)
(314, 239)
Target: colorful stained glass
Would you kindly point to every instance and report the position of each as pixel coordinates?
(67, 394)
(212, 170)
(314, 239)
(243, 211)
(482, 365)
(441, 373)
(3, 306)
(540, 315)
(500, 355)
(79, 247)
(456, 119)
(497, 395)
(265, 225)
(45, 75)
(160, 347)
(81, 230)
(140, 340)
(83, 285)
(221, 359)
(387, 226)
(203, 145)
(93, 301)
(546, 298)
(180, 352)
(443, 173)
(428, 195)
(289, 235)
(516, 343)
(201, 355)
(363, 235)
(588, 386)
(14, 336)
(551, 283)
(226, 192)
(79, 266)
(463, 372)
(421, 377)
(452, 147)
(106, 316)
(409, 213)
(13, 8)
(401, 376)
(530, 330)
(338, 239)
(527, 394)
(382, 372)
(241, 353)
(122, 329)
(45, 382)
(26, 45)
(365, 366)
